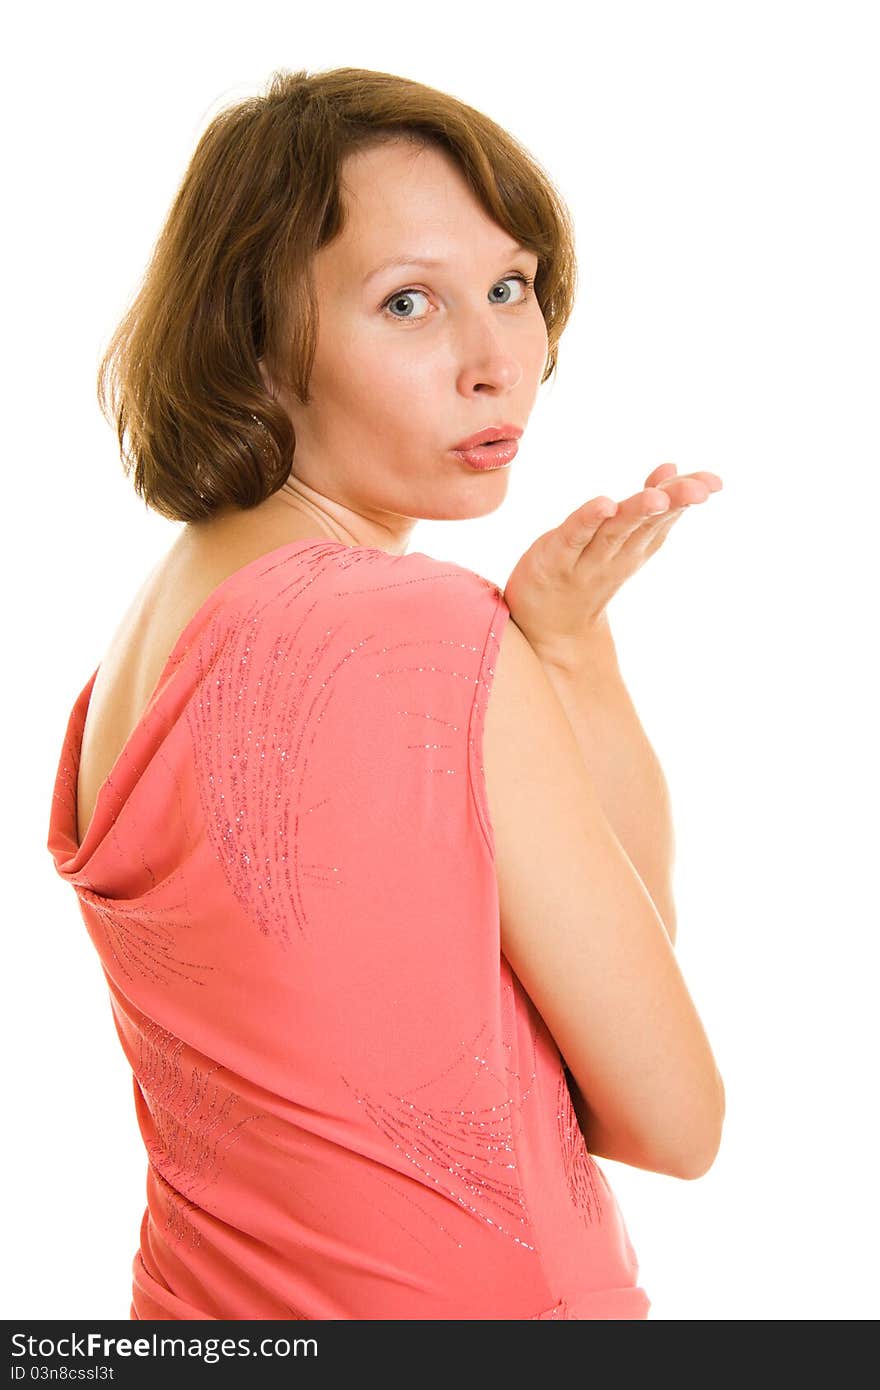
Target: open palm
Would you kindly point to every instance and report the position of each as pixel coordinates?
(559, 590)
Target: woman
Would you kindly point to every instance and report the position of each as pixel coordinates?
(390, 956)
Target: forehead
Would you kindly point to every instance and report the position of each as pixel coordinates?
(404, 197)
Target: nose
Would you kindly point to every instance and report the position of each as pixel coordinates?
(486, 362)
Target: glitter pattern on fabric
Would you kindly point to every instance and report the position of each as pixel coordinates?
(467, 1150)
(580, 1169)
(143, 942)
(195, 1119)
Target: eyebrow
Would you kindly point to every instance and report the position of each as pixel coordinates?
(429, 261)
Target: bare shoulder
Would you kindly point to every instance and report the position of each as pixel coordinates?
(533, 768)
(521, 693)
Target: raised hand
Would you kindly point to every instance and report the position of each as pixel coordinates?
(559, 590)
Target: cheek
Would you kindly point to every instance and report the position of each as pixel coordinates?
(402, 372)
(384, 387)
(359, 362)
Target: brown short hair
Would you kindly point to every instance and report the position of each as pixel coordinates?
(229, 282)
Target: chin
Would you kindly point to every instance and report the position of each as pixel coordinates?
(472, 507)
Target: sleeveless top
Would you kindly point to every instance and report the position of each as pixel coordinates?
(349, 1104)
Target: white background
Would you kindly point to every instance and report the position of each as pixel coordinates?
(720, 162)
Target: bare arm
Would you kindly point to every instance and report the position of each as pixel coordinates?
(585, 938)
(623, 765)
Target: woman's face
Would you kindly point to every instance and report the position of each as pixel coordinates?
(413, 358)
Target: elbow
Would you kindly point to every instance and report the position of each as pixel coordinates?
(687, 1154)
(699, 1158)
(698, 1165)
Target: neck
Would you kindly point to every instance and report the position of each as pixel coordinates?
(341, 523)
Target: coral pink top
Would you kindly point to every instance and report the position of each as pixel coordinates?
(350, 1106)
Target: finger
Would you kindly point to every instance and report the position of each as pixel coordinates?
(662, 474)
(658, 526)
(646, 515)
(579, 529)
(646, 510)
(614, 524)
(631, 515)
(687, 489)
(667, 471)
(647, 538)
(712, 480)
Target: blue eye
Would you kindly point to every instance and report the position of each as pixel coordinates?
(523, 280)
(401, 296)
